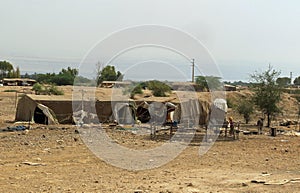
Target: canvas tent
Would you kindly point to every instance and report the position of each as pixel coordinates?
(33, 108)
(30, 110)
(46, 109)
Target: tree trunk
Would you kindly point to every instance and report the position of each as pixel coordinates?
(269, 120)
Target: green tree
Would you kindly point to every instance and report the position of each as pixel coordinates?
(5, 68)
(297, 81)
(209, 82)
(267, 93)
(201, 81)
(245, 108)
(283, 81)
(159, 89)
(108, 73)
(18, 73)
(64, 77)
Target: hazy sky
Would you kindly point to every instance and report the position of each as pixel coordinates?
(242, 35)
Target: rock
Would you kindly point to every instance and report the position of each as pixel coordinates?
(193, 190)
(244, 184)
(189, 184)
(60, 141)
(25, 132)
(138, 191)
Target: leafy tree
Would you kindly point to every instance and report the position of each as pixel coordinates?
(64, 77)
(245, 108)
(26, 75)
(159, 89)
(18, 74)
(108, 73)
(297, 81)
(283, 81)
(5, 68)
(201, 81)
(209, 82)
(267, 93)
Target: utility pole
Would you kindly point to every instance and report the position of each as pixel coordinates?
(193, 70)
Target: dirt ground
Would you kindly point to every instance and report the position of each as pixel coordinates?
(55, 159)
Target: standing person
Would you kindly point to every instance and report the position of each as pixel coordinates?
(231, 125)
(225, 126)
(260, 124)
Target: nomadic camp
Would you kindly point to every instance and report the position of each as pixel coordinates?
(45, 109)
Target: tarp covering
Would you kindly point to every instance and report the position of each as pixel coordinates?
(123, 113)
(27, 107)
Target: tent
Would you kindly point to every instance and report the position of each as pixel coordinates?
(124, 112)
(47, 109)
(40, 108)
(30, 110)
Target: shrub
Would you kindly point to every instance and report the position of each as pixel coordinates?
(38, 88)
(159, 89)
(245, 108)
(55, 91)
(46, 90)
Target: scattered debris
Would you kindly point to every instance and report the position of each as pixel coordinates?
(15, 128)
(276, 182)
(33, 163)
(258, 181)
(288, 122)
(281, 182)
(292, 133)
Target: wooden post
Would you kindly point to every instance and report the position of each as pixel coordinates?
(16, 99)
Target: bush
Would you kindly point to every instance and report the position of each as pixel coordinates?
(55, 91)
(38, 88)
(159, 89)
(136, 90)
(245, 108)
(46, 90)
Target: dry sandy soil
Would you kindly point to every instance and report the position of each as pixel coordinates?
(55, 159)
